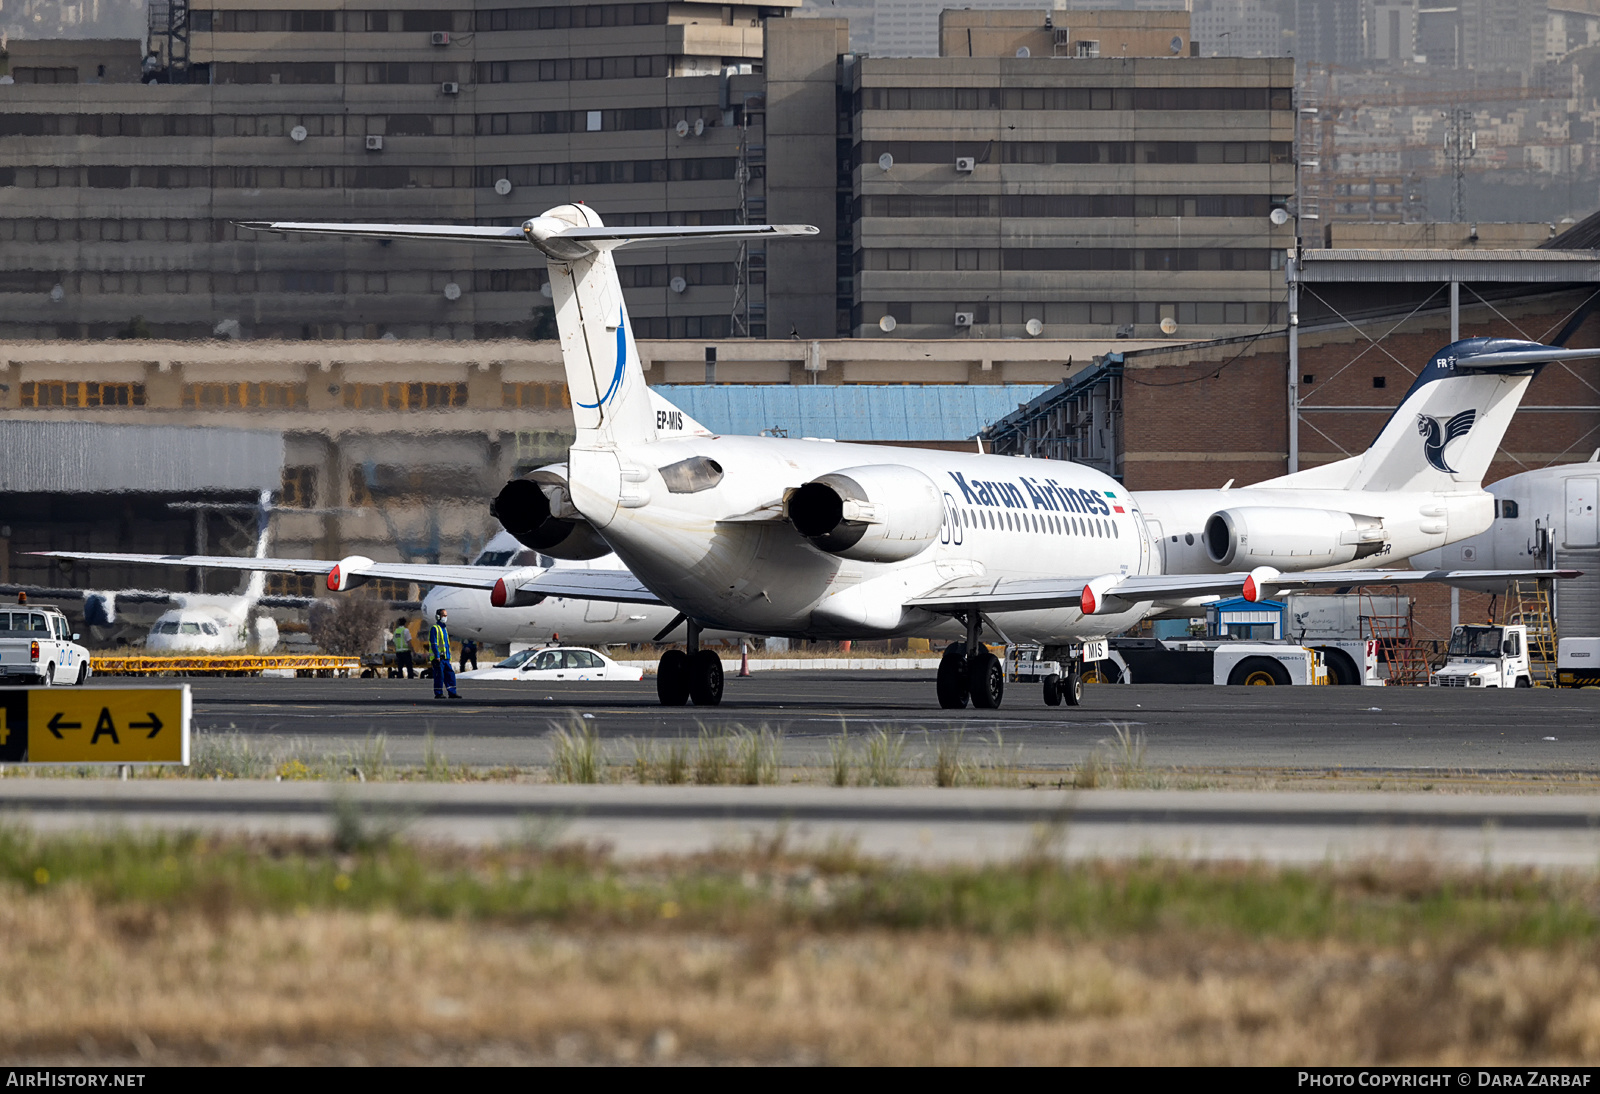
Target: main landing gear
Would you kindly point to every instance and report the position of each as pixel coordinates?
(694, 675)
(981, 676)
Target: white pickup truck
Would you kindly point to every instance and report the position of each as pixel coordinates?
(1486, 656)
(37, 646)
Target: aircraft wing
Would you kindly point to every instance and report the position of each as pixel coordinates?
(615, 585)
(1038, 594)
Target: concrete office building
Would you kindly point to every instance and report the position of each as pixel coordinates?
(117, 197)
(1067, 192)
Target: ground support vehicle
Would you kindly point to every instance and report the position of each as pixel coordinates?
(37, 646)
(1217, 661)
(1578, 663)
(1486, 656)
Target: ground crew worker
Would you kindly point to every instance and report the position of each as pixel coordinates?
(403, 665)
(444, 675)
(469, 652)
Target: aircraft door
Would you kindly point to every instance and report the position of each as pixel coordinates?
(952, 532)
(599, 611)
(1583, 521)
(1152, 548)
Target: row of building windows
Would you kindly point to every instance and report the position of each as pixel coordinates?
(1073, 98)
(1075, 152)
(286, 396)
(1084, 314)
(1063, 205)
(77, 393)
(389, 22)
(641, 66)
(336, 125)
(375, 177)
(1171, 259)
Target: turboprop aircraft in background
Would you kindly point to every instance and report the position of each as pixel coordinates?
(799, 538)
(197, 622)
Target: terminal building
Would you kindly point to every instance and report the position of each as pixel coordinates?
(1043, 177)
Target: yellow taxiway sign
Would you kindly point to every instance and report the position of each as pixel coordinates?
(90, 725)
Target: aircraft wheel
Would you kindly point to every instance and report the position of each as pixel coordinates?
(1259, 672)
(952, 680)
(705, 678)
(986, 677)
(1072, 686)
(672, 679)
(1052, 690)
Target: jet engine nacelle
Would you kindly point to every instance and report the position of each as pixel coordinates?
(1260, 535)
(873, 514)
(538, 510)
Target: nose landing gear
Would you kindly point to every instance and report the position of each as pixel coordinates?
(695, 675)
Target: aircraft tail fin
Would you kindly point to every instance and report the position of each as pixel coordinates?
(610, 402)
(256, 587)
(1450, 423)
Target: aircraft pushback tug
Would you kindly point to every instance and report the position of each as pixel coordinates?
(788, 537)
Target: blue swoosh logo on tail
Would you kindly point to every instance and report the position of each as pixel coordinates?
(622, 363)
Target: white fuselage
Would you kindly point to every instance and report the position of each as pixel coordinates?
(1005, 517)
(1015, 518)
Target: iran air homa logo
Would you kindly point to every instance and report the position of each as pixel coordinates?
(1436, 435)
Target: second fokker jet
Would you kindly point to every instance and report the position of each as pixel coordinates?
(791, 537)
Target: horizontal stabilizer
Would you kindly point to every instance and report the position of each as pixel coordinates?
(1533, 355)
(435, 233)
(556, 238)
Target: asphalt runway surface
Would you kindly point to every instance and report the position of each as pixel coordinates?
(1191, 727)
(915, 824)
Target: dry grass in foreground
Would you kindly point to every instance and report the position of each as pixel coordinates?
(173, 952)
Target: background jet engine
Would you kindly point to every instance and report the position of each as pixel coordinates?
(1259, 535)
(538, 510)
(874, 514)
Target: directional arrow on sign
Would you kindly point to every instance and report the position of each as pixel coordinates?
(153, 725)
(56, 725)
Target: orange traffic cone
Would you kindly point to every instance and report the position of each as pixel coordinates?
(744, 660)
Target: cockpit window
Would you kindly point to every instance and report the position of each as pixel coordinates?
(1508, 508)
(169, 627)
(209, 628)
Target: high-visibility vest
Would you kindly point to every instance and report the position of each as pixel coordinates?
(439, 641)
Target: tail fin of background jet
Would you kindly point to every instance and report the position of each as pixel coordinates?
(1450, 423)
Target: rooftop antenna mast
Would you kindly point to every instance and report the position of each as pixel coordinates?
(1460, 145)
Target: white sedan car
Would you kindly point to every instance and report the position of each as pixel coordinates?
(556, 663)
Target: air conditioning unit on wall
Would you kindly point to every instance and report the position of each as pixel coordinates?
(439, 38)
(966, 164)
(963, 319)
(450, 87)
(374, 144)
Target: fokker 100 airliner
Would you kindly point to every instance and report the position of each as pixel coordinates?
(776, 536)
